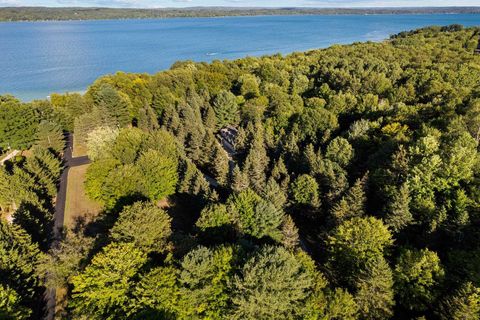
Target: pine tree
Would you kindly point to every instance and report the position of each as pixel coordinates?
(352, 204)
(280, 174)
(398, 213)
(274, 194)
(256, 163)
(239, 180)
(226, 109)
(147, 119)
(463, 304)
(50, 136)
(375, 295)
(221, 165)
(209, 119)
(290, 237)
(272, 284)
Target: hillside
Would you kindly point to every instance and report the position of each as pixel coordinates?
(340, 183)
(49, 14)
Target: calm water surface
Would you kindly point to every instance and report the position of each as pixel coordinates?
(38, 58)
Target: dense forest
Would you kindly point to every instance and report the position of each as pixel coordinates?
(46, 14)
(351, 190)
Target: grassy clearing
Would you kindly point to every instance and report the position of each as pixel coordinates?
(79, 149)
(78, 205)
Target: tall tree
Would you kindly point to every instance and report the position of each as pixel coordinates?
(418, 274)
(159, 174)
(272, 284)
(145, 225)
(50, 136)
(226, 109)
(101, 290)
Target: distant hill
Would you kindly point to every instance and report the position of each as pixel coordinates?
(44, 13)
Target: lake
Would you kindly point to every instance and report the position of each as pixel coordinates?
(38, 58)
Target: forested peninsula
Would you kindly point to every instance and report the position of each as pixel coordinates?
(341, 183)
(53, 14)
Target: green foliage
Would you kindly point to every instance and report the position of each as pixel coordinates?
(226, 109)
(355, 244)
(18, 124)
(99, 142)
(375, 295)
(18, 260)
(204, 276)
(145, 225)
(50, 136)
(255, 216)
(352, 204)
(100, 291)
(340, 151)
(402, 113)
(464, 303)
(10, 308)
(115, 103)
(159, 174)
(127, 145)
(272, 284)
(157, 293)
(65, 261)
(304, 191)
(418, 275)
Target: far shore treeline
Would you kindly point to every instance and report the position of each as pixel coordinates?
(71, 13)
(351, 189)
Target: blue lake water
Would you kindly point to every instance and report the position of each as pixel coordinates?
(38, 58)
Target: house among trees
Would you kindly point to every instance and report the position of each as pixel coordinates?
(228, 136)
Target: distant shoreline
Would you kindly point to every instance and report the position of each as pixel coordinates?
(13, 14)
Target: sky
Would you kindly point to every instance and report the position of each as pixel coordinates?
(238, 3)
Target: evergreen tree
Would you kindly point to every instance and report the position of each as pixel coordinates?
(157, 294)
(50, 136)
(398, 212)
(272, 284)
(464, 303)
(18, 261)
(204, 276)
(239, 180)
(221, 165)
(256, 163)
(147, 119)
(116, 103)
(18, 124)
(274, 194)
(226, 109)
(352, 204)
(10, 307)
(375, 295)
(290, 237)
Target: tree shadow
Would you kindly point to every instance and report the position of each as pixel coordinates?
(36, 222)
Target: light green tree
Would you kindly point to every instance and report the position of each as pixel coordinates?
(159, 174)
(418, 274)
(145, 225)
(101, 290)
